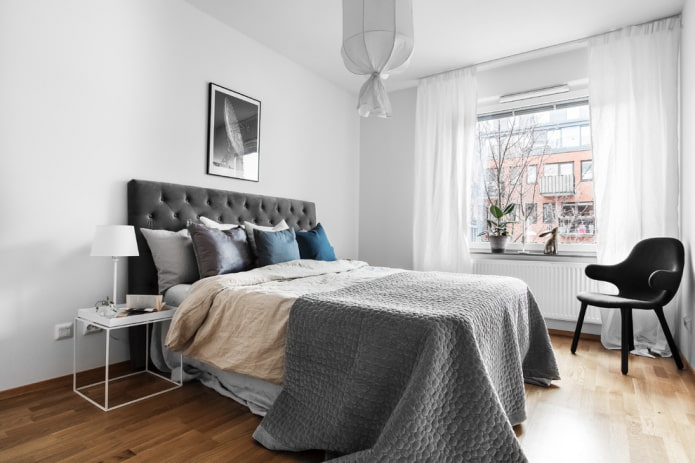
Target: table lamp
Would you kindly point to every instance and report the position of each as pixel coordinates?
(115, 241)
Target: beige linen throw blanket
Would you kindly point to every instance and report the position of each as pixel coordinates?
(238, 322)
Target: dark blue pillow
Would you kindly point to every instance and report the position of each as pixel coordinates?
(275, 246)
(313, 244)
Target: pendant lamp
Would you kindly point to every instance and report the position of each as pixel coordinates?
(377, 40)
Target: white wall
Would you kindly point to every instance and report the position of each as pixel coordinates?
(93, 94)
(387, 158)
(687, 294)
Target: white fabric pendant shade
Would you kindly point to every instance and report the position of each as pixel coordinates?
(377, 40)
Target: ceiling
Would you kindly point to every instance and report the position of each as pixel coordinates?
(449, 34)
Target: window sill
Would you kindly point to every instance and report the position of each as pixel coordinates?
(511, 254)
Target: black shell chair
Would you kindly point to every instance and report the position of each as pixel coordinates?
(647, 280)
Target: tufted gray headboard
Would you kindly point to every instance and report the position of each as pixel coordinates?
(169, 206)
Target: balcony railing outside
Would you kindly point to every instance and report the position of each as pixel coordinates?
(558, 185)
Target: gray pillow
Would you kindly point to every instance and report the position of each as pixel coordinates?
(276, 246)
(220, 251)
(173, 256)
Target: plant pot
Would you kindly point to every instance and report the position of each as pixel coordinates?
(497, 244)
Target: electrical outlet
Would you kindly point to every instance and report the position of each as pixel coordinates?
(688, 323)
(62, 331)
(88, 328)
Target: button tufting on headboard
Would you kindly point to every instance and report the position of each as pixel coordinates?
(170, 206)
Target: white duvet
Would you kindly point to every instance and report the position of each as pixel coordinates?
(237, 322)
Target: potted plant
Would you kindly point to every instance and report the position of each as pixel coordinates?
(497, 233)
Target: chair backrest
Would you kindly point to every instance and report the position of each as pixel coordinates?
(645, 258)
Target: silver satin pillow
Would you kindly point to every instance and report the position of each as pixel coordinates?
(220, 251)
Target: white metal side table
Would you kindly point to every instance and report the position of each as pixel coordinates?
(91, 317)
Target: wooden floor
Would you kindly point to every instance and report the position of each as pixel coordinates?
(594, 414)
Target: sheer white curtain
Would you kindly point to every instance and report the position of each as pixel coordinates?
(633, 84)
(444, 143)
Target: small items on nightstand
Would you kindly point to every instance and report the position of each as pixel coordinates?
(144, 301)
(106, 308)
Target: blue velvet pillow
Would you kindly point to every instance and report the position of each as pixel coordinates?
(313, 244)
(275, 246)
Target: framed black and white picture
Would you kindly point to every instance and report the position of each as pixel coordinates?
(233, 134)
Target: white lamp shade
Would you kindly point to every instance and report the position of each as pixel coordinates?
(114, 241)
(377, 40)
(377, 35)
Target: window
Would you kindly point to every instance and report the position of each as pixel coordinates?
(577, 219)
(528, 158)
(565, 139)
(559, 168)
(530, 216)
(549, 213)
(554, 139)
(551, 170)
(492, 186)
(571, 136)
(587, 170)
(573, 113)
(514, 175)
(586, 135)
(515, 216)
(531, 174)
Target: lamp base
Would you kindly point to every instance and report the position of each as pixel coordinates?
(115, 279)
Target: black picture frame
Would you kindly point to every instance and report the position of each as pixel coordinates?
(234, 129)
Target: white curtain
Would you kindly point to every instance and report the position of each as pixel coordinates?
(634, 90)
(444, 143)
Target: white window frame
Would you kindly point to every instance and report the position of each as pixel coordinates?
(566, 250)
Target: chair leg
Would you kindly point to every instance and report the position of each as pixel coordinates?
(671, 343)
(578, 328)
(624, 341)
(630, 332)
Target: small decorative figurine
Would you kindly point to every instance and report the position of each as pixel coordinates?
(551, 244)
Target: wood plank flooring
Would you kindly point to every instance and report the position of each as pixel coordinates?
(597, 414)
(593, 414)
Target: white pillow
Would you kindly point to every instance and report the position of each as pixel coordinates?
(216, 225)
(252, 239)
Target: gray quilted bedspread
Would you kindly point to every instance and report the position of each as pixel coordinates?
(411, 367)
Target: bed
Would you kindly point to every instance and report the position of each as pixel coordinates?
(373, 364)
